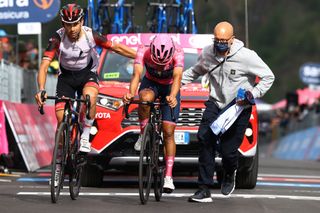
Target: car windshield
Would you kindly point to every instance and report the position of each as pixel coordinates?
(119, 68)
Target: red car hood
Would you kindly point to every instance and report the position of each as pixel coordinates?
(190, 92)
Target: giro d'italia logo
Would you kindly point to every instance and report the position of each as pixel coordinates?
(43, 4)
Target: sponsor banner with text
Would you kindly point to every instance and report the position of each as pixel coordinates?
(17, 11)
(33, 132)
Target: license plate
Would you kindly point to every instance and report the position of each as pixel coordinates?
(182, 138)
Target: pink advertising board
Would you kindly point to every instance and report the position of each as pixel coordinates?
(33, 132)
(4, 148)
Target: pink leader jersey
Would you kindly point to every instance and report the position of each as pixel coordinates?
(162, 74)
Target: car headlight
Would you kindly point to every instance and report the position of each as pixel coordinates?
(109, 102)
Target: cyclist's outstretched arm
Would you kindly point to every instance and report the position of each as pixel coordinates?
(123, 50)
(134, 83)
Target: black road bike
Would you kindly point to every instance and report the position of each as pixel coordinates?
(66, 156)
(151, 166)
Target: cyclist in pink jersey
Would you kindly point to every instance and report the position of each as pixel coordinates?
(74, 45)
(164, 62)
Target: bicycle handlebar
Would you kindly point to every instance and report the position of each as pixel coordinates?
(156, 4)
(149, 103)
(118, 5)
(66, 99)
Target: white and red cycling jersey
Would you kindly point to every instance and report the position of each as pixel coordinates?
(77, 55)
(162, 74)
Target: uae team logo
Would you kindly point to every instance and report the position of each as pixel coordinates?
(43, 4)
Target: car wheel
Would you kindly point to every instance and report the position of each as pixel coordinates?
(247, 177)
(92, 176)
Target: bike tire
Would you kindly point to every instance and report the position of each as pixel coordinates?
(75, 167)
(59, 147)
(145, 167)
(158, 171)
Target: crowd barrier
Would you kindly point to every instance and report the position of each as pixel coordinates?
(20, 85)
(301, 145)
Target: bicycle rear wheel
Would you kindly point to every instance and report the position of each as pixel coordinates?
(75, 166)
(59, 155)
(145, 167)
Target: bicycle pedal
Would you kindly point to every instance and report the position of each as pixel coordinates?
(81, 160)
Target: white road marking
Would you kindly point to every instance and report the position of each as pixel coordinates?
(5, 180)
(246, 196)
(288, 176)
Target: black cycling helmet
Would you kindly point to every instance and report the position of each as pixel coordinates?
(71, 13)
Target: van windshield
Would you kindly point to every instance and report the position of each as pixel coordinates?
(119, 68)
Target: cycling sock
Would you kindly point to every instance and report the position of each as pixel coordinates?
(169, 165)
(86, 128)
(143, 124)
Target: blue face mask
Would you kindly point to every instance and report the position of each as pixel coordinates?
(221, 47)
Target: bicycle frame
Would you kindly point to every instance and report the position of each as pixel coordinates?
(186, 18)
(122, 16)
(66, 147)
(149, 166)
(160, 23)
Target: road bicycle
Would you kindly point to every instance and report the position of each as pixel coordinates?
(115, 17)
(151, 168)
(186, 22)
(91, 17)
(158, 21)
(66, 155)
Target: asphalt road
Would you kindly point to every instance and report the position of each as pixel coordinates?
(283, 186)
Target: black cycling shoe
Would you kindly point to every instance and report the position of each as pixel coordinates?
(201, 196)
(228, 183)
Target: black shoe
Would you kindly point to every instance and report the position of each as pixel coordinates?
(202, 196)
(228, 183)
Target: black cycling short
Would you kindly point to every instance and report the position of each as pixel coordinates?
(162, 90)
(72, 82)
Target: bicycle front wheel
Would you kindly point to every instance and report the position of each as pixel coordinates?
(145, 166)
(58, 159)
(74, 162)
(158, 170)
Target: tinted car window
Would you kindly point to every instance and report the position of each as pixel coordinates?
(119, 68)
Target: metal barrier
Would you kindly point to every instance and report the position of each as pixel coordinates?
(20, 85)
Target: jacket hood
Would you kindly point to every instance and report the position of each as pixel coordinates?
(235, 47)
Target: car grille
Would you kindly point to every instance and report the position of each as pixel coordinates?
(189, 117)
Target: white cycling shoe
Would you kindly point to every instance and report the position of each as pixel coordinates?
(85, 145)
(168, 186)
(137, 145)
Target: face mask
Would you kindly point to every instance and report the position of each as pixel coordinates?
(221, 47)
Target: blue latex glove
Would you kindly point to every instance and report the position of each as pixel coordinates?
(244, 98)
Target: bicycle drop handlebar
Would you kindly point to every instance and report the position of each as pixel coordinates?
(86, 101)
(149, 103)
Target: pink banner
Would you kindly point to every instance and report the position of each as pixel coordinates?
(184, 40)
(33, 132)
(4, 148)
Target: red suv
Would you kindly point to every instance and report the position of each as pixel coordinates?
(113, 136)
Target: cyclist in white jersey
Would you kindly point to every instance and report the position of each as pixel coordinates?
(74, 45)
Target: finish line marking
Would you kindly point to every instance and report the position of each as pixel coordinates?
(179, 195)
